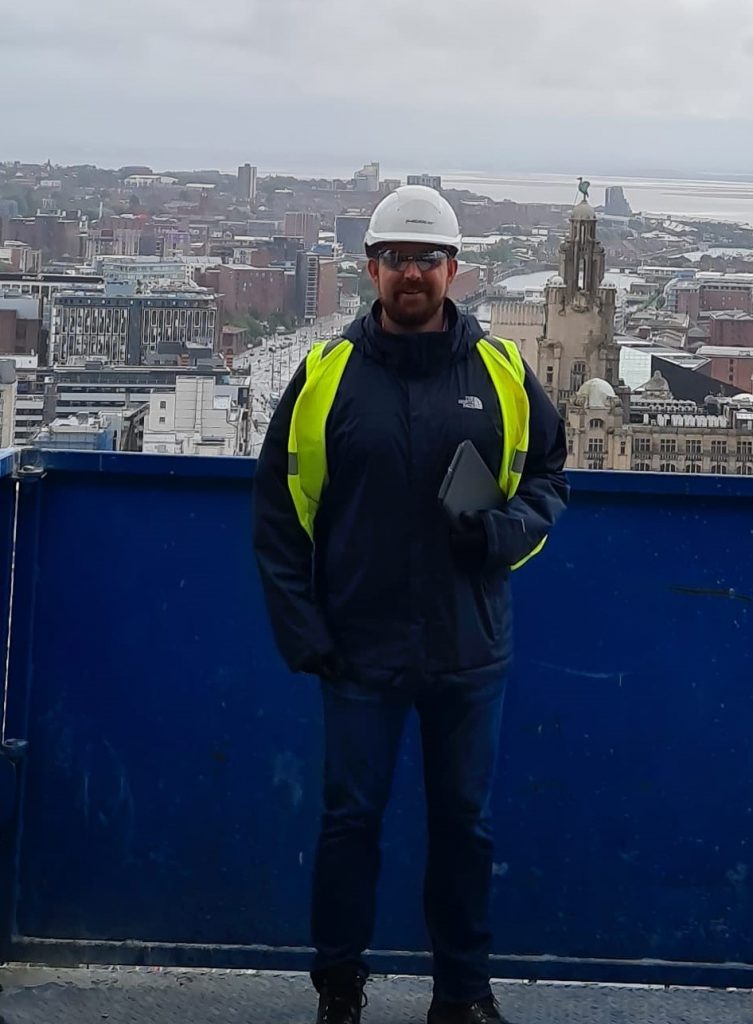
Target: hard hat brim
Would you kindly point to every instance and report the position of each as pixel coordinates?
(440, 241)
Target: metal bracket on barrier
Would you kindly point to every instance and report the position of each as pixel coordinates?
(11, 753)
(30, 464)
(14, 750)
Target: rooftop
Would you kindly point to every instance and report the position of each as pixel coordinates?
(144, 996)
(725, 352)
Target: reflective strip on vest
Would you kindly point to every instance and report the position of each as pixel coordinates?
(325, 365)
(505, 365)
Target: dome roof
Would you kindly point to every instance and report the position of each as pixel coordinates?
(555, 281)
(583, 211)
(596, 393)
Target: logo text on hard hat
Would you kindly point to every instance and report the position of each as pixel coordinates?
(416, 220)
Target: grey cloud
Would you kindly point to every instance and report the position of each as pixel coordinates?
(475, 83)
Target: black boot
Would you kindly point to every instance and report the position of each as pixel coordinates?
(341, 997)
(484, 1011)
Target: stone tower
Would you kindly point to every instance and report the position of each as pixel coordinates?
(578, 341)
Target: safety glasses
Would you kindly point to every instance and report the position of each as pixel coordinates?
(423, 260)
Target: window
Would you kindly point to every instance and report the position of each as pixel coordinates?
(694, 447)
(643, 445)
(623, 447)
(745, 449)
(596, 424)
(667, 467)
(550, 375)
(642, 467)
(693, 467)
(577, 375)
(718, 449)
(163, 405)
(744, 470)
(719, 468)
(162, 419)
(667, 445)
(595, 446)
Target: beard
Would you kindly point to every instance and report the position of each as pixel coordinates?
(412, 312)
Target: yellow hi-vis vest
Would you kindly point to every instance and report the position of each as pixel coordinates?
(325, 365)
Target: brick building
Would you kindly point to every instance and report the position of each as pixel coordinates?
(467, 282)
(248, 290)
(732, 364)
(731, 329)
(302, 225)
(711, 291)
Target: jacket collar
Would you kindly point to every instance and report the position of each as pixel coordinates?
(417, 355)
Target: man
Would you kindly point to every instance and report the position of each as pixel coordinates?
(372, 589)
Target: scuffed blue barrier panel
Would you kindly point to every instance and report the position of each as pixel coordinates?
(625, 814)
(172, 788)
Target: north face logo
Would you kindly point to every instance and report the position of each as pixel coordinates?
(471, 402)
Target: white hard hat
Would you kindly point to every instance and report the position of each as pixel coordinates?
(414, 213)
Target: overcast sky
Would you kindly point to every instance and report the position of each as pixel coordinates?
(325, 85)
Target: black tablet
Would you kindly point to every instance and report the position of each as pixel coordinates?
(469, 485)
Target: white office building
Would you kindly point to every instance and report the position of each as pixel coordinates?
(200, 417)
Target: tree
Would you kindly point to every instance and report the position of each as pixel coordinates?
(284, 320)
(499, 253)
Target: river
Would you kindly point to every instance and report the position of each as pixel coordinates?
(722, 200)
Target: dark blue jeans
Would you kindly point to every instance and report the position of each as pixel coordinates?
(460, 725)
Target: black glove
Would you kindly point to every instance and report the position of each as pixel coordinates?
(468, 542)
(327, 666)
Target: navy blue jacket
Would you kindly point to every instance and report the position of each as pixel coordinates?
(380, 587)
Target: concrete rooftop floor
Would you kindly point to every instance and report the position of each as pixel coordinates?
(127, 995)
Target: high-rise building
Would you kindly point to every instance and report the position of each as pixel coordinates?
(367, 179)
(429, 180)
(130, 330)
(316, 286)
(615, 203)
(302, 225)
(350, 232)
(247, 183)
(578, 342)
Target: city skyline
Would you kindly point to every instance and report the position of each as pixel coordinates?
(309, 86)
